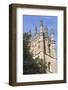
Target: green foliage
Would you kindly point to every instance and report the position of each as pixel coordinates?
(30, 65)
(42, 66)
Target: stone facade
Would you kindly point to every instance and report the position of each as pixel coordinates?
(43, 47)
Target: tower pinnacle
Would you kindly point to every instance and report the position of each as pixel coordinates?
(46, 31)
(52, 45)
(41, 26)
(52, 35)
(35, 30)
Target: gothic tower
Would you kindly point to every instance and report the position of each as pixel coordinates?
(41, 36)
(35, 30)
(42, 46)
(52, 46)
(46, 40)
(41, 26)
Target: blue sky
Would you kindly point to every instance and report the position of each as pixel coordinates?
(30, 21)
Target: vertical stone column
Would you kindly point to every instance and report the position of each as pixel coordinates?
(46, 41)
(52, 46)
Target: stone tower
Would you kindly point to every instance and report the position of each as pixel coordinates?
(41, 36)
(41, 26)
(35, 30)
(52, 46)
(46, 40)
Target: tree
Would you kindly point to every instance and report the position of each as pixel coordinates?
(30, 65)
(41, 64)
